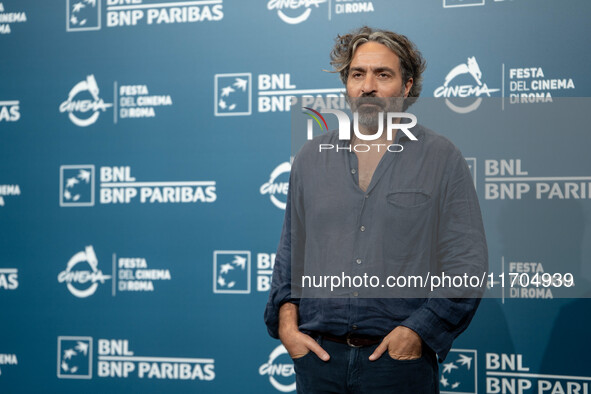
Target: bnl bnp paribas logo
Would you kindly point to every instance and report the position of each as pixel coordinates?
(84, 15)
(116, 359)
(232, 271)
(74, 357)
(277, 92)
(459, 373)
(118, 186)
(463, 82)
(9, 110)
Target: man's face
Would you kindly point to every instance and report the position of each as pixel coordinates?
(374, 74)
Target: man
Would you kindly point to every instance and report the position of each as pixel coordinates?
(410, 211)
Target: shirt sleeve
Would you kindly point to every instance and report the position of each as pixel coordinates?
(280, 292)
(461, 249)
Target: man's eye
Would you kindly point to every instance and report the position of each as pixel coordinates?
(356, 75)
(384, 75)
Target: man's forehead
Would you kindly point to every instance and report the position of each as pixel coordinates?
(374, 55)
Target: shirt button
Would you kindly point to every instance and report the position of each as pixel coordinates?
(354, 326)
(355, 294)
(358, 261)
(362, 228)
(353, 171)
(367, 196)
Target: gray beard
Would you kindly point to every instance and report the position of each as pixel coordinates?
(369, 116)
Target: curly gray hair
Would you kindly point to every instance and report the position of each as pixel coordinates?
(412, 63)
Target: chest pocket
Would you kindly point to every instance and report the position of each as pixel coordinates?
(410, 212)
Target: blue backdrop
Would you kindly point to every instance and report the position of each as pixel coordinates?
(144, 155)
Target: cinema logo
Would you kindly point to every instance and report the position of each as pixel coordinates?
(294, 12)
(530, 85)
(279, 369)
(507, 179)
(278, 185)
(130, 274)
(84, 15)
(116, 359)
(532, 287)
(84, 105)
(9, 110)
(467, 83)
(82, 275)
(134, 274)
(8, 18)
(300, 10)
(234, 93)
(118, 186)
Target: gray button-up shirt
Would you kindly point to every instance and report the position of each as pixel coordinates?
(419, 215)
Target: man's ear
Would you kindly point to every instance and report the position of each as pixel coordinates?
(407, 86)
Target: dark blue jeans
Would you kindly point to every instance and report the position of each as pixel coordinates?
(350, 371)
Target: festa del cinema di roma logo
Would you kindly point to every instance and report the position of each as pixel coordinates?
(82, 275)
(83, 104)
(279, 369)
(449, 90)
(307, 5)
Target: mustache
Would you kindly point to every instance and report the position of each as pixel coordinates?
(380, 102)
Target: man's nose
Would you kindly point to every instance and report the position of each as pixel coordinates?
(369, 85)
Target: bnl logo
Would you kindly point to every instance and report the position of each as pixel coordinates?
(77, 185)
(231, 271)
(233, 94)
(74, 357)
(462, 3)
(83, 15)
(458, 375)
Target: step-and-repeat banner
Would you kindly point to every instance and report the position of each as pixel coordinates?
(144, 160)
